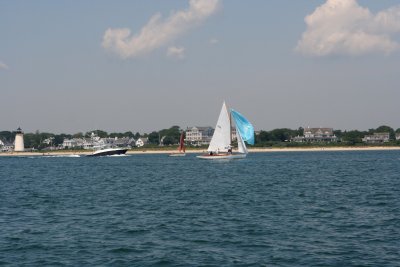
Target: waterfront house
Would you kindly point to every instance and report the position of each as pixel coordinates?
(316, 135)
(376, 138)
(6, 146)
(73, 143)
(142, 141)
(68, 143)
(90, 143)
(124, 142)
(199, 135)
(48, 141)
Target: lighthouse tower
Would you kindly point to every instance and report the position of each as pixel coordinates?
(19, 141)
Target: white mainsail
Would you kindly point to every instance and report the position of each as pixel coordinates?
(221, 139)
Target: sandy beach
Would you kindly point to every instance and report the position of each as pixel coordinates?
(251, 150)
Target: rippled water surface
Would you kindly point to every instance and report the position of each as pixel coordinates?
(271, 209)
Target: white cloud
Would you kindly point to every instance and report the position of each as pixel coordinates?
(158, 32)
(177, 52)
(344, 27)
(3, 66)
(213, 41)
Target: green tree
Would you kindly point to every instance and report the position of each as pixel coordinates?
(129, 134)
(353, 137)
(78, 135)
(338, 134)
(59, 138)
(154, 137)
(300, 131)
(99, 133)
(169, 140)
(7, 136)
(263, 137)
(282, 135)
(118, 135)
(386, 129)
(36, 140)
(171, 135)
(33, 140)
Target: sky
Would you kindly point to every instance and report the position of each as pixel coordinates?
(76, 66)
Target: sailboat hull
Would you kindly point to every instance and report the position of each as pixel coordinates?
(223, 156)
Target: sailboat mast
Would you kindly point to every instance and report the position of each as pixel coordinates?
(230, 128)
(181, 142)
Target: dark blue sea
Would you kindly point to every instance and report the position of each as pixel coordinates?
(270, 209)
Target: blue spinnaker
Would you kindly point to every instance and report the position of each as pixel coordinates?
(246, 130)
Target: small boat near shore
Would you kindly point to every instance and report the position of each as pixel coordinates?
(181, 149)
(108, 152)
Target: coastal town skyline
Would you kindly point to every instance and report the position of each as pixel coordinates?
(121, 66)
(195, 137)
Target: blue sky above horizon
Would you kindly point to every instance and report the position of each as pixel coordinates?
(73, 66)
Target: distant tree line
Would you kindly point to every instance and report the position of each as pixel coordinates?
(282, 137)
(267, 138)
(170, 136)
(166, 136)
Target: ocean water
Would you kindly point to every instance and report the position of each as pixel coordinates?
(270, 209)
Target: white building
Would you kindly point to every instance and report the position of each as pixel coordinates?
(19, 141)
(73, 143)
(377, 138)
(199, 135)
(142, 141)
(7, 147)
(69, 143)
(89, 143)
(48, 141)
(124, 142)
(314, 135)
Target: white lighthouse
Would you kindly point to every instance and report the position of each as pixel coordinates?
(19, 141)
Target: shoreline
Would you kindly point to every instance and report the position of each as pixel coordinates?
(251, 150)
(314, 149)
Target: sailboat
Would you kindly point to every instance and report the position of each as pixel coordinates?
(221, 143)
(181, 148)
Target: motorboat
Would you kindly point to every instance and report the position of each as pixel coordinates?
(108, 152)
